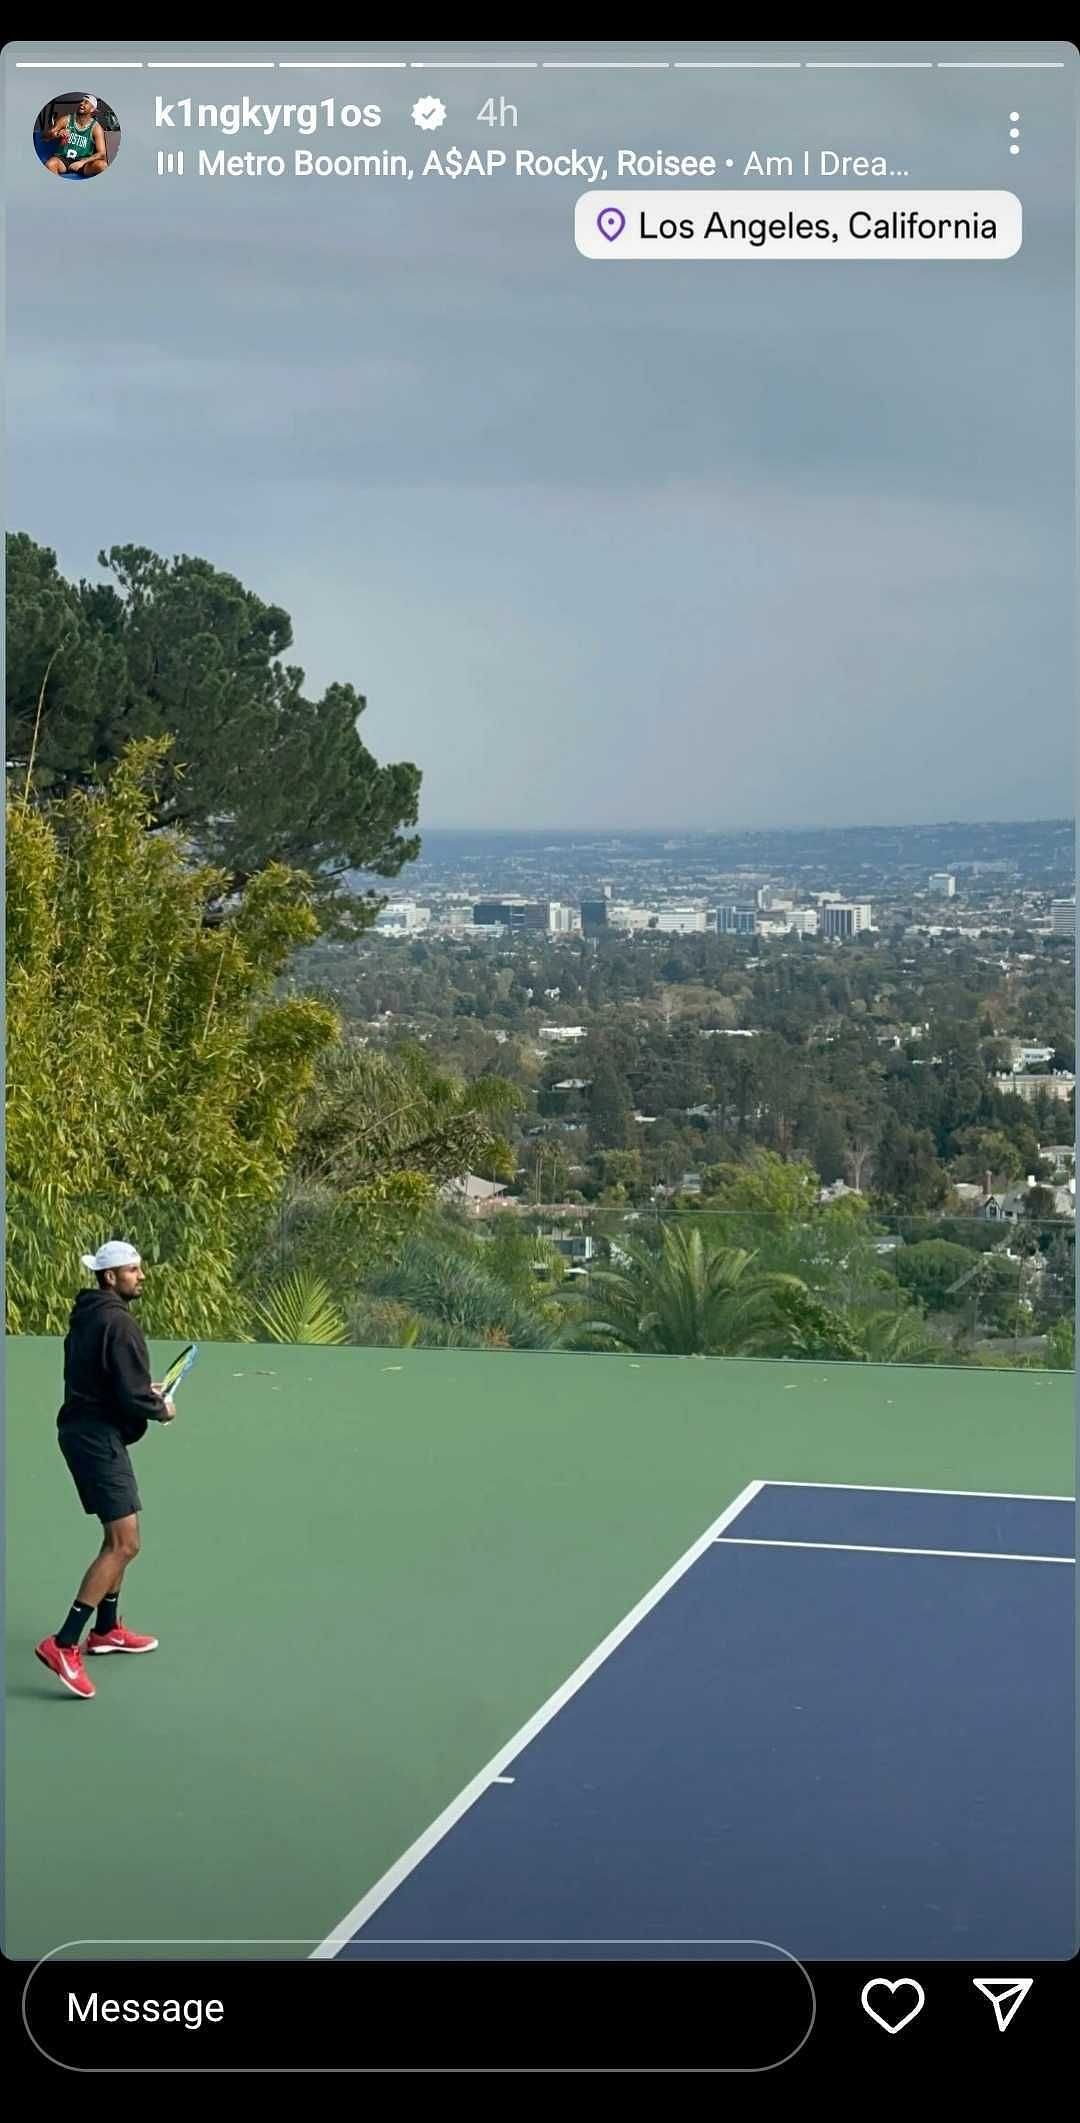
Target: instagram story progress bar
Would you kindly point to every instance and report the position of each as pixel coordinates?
(710, 225)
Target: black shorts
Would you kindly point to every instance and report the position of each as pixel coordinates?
(101, 1469)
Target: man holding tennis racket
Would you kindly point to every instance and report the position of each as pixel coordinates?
(109, 1400)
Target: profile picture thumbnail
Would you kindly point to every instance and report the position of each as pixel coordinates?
(77, 135)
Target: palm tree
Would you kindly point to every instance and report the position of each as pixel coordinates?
(897, 1336)
(681, 1297)
(459, 1303)
(300, 1309)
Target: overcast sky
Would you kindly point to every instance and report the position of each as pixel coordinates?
(696, 545)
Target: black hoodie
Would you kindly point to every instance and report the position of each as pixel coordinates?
(107, 1368)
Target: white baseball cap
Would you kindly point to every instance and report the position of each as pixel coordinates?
(92, 101)
(115, 1254)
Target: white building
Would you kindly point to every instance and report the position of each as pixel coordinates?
(472, 1193)
(561, 1035)
(665, 921)
(957, 928)
(1063, 917)
(843, 917)
(403, 917)
(785, 919)
(944, 883)
(681, 921)
(1025, 1056)
(456, 922)
(1060, 1085)
(562, 921)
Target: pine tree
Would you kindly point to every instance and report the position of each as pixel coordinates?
(609, 1109)
(258, 773)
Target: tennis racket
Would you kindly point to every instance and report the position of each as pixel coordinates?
(178, 1370)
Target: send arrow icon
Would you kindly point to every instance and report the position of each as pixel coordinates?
(1006, 1994)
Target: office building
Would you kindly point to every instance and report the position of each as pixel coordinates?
(842, 918)
(510, 914)
(402, 917)
(681, 921)
(532, 914)
(736, 921)
(662, 921)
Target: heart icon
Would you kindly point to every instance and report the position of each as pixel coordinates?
(894, 2017)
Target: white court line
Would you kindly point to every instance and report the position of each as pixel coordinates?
(1001, 1496)
(976, 1555)
(424, 1844)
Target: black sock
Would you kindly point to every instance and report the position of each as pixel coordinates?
(106, 1614)
(73, 1628)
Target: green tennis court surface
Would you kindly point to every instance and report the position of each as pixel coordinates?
(368, 1568)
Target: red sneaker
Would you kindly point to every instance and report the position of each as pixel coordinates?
(119, 1639)
(65, 1660)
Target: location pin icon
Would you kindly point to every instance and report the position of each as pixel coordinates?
(611, 222)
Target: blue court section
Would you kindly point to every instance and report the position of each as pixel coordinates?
(849, 1755)
(911, 1518)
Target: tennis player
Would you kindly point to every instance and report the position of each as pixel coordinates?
(109, 1400)
(80, 142)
